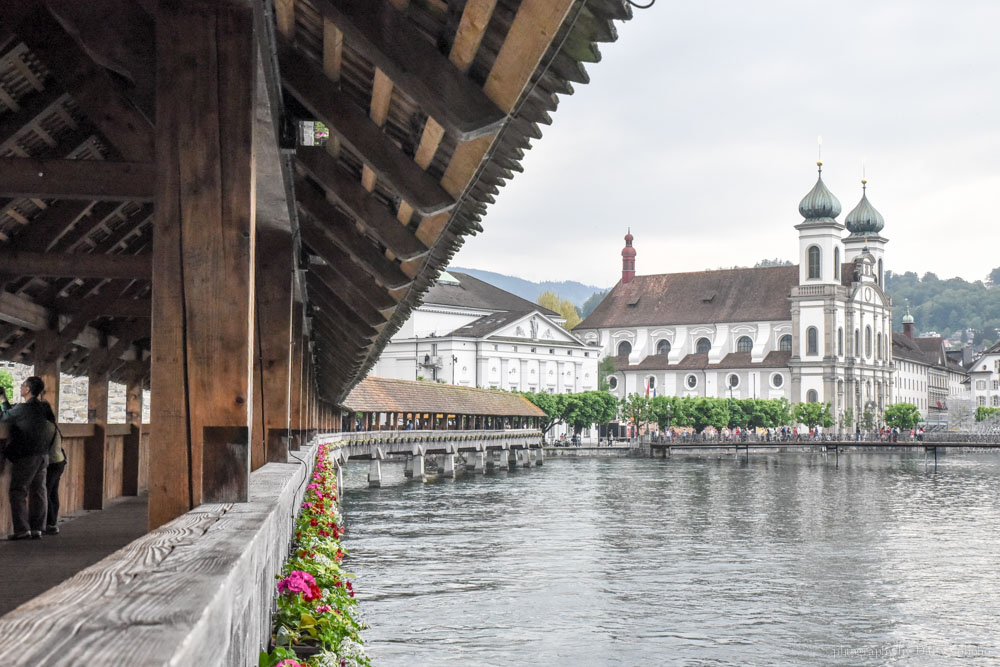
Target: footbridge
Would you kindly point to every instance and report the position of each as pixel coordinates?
(439, 453)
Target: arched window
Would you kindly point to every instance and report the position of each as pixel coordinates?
(812, 396)
(878, 344)
(704, 346)
(785, 343)
(651, 381)
(744, 344)
(734, 380)
(813, 253)
(880, 283)
(868, 341)
(840, 341)
(812, 341)
(663, 347)
(613, 382)
(836, 263)
(624, 348)
(857, 342)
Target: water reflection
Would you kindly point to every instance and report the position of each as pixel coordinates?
(873, 559)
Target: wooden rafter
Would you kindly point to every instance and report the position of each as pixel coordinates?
(77, 265)
(76, 179)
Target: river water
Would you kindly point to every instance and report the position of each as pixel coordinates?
(785, 559)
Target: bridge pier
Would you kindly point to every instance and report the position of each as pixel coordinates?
(479, 462)
(539, 457)
(449, 465)
(375, 474)
(504, 462)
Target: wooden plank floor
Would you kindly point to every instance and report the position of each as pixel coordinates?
(30, 567)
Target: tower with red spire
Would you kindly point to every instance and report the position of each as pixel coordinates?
(628, 259)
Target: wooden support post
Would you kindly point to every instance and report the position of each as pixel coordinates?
(95, 447)
(274, 317)
(47, 366)
(295, 382)
(131, 442)
(203, 278)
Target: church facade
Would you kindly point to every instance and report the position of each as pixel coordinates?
(818, 331)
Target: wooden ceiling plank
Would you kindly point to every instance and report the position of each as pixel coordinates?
(77, 179)
(349, 294)
(393, 44)
(326, 304)
(119, 307)
(18, 346)
(77, 266)
(360, 204)
(34, 107)
(333, 50)
(471, 28)
(90, 85)
(306, 81)
(364, 321)
(344, 271)
(331, 223)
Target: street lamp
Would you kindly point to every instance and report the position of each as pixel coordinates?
(454, 360)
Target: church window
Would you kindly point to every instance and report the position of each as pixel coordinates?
(836, 263)
(785, 343)
(734, 380)
(663, 347)
(692, 381)
(857, 342)
(880, 272)
(812, 341)
(777, 380)
(624, 348)
(813, 253)
(613, 382)
(868, 341)
(704, 346)
(812, 396)
(651, 382)
(744, 344)
(840, 341)
(878, 344)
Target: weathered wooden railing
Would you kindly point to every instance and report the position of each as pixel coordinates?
(196, 591)
(99, 467)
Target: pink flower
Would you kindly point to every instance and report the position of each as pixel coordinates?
(323, 609)
(289, 663)
(298, 581)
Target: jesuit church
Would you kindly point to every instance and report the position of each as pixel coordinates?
(816, 331)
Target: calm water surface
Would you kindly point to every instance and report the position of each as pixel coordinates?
(787, 559)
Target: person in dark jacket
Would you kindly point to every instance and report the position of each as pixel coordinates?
(31, 434)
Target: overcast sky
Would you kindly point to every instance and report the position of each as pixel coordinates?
(698, 130)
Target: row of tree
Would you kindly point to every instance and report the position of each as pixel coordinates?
(581, 410)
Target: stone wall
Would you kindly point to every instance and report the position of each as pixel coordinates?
(73, 396)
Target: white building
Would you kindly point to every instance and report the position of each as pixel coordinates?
(924, 376)
(985, 376)
(470, 333)
(818, 331)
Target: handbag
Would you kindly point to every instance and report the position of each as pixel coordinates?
(56, 452)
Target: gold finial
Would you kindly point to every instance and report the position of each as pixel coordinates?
(864, 181)
(819, 152)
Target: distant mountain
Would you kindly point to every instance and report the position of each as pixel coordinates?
(576, 292)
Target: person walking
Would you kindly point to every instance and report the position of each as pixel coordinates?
(53, 472)
(31, 434)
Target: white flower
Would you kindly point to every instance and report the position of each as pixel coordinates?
(327, 659)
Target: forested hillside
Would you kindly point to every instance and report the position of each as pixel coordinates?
(946, 306)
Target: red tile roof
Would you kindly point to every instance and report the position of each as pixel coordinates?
(702, 297)
(698, 362)
(375, 394)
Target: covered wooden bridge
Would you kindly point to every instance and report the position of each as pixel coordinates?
(172, 216)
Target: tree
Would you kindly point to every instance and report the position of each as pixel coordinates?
(564, 307)
(992, 280)
(634, 409)
(7, 382)
(592, 302)
(605, 368)
(983, 412)
(814, 414)
(553, 405)
(902, 415)
(847, 419)
(589, 407)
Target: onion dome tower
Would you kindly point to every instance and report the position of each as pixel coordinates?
(628, 259)
(820, 247)
(865, 225)
(908, 321)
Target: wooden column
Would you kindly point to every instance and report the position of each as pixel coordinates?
(95, 447)
(47, 366)
(131, 442)
(274, 315)
(203, 270)
(295, 383)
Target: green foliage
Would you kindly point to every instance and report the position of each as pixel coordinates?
(593, 302)
(7, 382)
(813, 414)
(553, 405)
(983, 412)
(947, 306)
(902, 415)
(847, 418)
(634, 408)
(772, 262)
(605, 368)
(564, 307)
(589, 407)
(701, 412)
(867, 420)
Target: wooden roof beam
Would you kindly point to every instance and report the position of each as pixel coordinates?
(322, 220)
(307, 82)
(137, 267)
(351, 296)
(394, 45)
(338, 268)
(321, 295)
(118, 307)
(77, 179)
(360, 204)
(90, 85)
